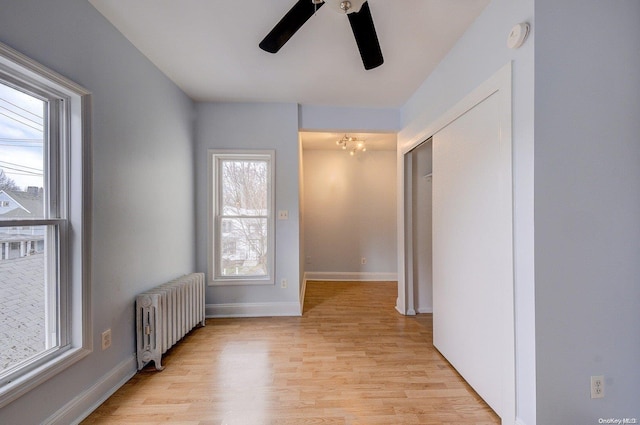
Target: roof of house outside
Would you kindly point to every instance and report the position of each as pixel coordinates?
(30, 203)
(22, 313)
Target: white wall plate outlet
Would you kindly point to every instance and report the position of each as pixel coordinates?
(597, 386)
(106, 339)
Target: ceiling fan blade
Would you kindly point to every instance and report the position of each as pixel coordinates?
(288, 25)
(365, 33)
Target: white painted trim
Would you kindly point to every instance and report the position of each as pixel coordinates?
(424, 310)
(253, 309)
(352, 276)
(407, 248)
(519, 422)
(37, 72)
(83, 404)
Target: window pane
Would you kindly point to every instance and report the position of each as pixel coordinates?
(243, 247)
(28, 317)
(21, 154)
(244, 187)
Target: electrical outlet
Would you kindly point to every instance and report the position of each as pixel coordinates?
(363, 260)
(597, 386)
(106, 339)
(283, 283)
(283, 215)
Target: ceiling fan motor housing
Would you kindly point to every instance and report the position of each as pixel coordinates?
(344, 6)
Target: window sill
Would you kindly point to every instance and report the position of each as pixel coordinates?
(241, 282)
(31, 380)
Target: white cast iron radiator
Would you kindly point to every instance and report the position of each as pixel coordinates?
(167, 313)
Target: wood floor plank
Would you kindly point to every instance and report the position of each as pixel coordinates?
(350, 359)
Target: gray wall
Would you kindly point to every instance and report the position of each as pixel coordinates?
(587, 209)
(143, 214)
(330, 118)
(350, 211)
(479, 54)
(253, 126)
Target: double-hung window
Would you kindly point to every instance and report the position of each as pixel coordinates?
(44, 234)
(241, 236)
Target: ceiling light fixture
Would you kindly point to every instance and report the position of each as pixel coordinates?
(352, 144)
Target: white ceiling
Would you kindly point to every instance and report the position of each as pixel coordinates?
(209, 48)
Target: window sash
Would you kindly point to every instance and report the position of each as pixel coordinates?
(56, 332)
(66, 205)
(220, 247)
(216, 248)
(220, 160)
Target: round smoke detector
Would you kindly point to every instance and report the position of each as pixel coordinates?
(518, 35)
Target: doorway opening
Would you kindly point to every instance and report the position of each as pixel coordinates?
(348, 206)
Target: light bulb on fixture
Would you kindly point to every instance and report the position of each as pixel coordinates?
(352, 144)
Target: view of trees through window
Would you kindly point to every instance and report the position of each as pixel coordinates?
(243, 215)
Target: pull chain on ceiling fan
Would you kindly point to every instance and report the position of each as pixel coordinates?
(360, 20)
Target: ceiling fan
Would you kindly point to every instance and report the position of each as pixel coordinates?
(359, 16)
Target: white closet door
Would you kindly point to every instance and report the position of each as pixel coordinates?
(473, 251)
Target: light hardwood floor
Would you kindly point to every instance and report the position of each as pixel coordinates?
(351, 359)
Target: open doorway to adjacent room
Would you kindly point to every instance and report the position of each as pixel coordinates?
(349, 203)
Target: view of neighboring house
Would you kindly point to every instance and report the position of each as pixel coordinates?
(21, 241)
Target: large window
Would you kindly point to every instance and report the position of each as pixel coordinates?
(241, 235)
(44, 292)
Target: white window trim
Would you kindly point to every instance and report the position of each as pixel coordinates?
(77, 255)
(213, 156)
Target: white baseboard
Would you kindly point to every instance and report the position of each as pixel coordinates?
(253, 309)
(422, 310)
(519, 422)
(412, 312)
(351, 276)
(83, 404)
